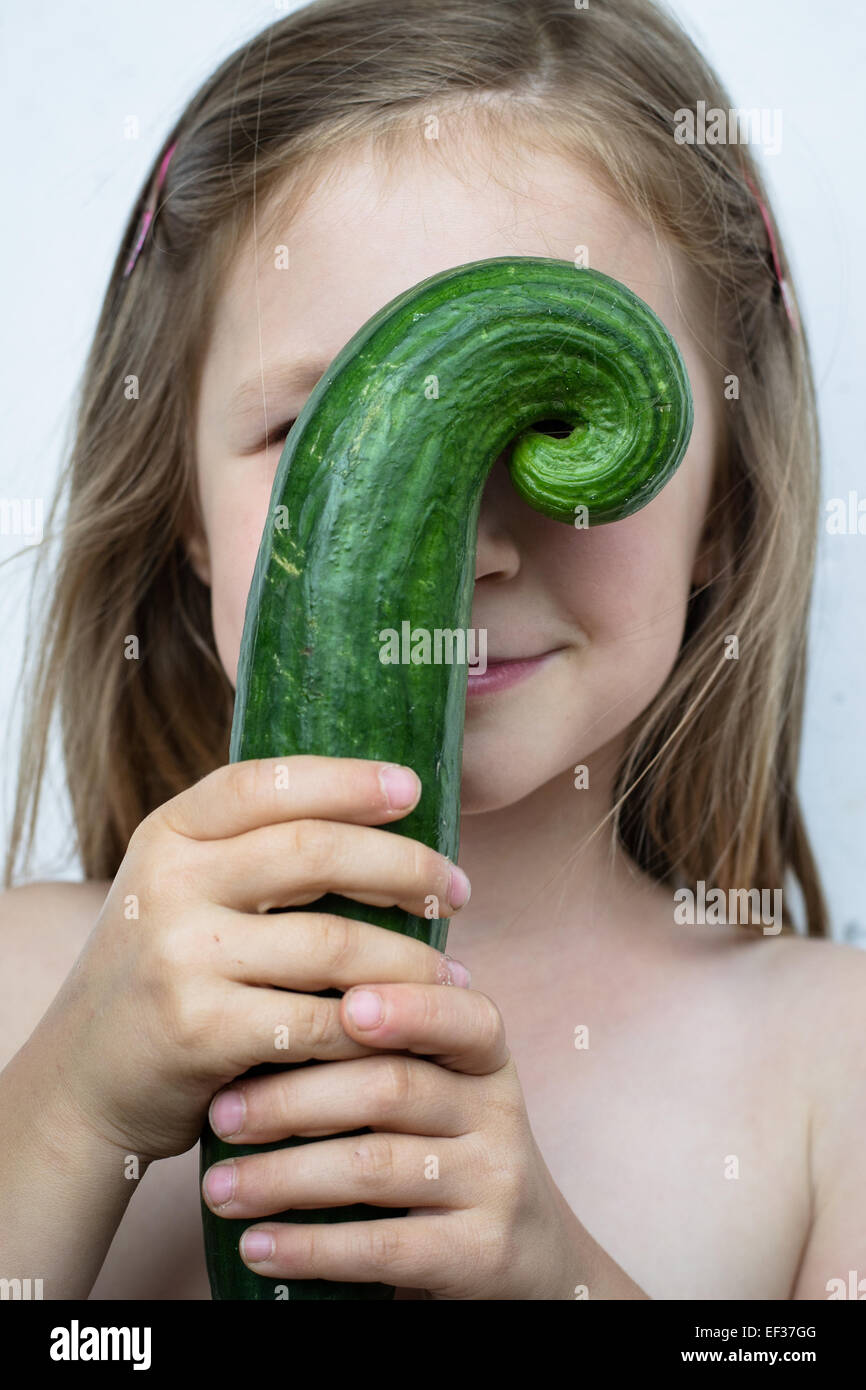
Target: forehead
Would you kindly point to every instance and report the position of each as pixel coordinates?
(364, 231)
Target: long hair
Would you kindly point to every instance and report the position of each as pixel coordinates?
(707, 785)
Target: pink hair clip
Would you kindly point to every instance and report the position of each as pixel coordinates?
(784, 288)
(148, 215)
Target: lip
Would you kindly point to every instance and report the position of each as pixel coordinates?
(502, 674)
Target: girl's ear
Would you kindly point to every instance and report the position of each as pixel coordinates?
(199, 556)
(193, 536)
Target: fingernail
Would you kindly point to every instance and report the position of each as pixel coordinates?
(257, 1245)
(458, 972)
(365, 1008)
(452, 972)
(400, 785)
(459, 889)
(219, 1184)
(227, 1113)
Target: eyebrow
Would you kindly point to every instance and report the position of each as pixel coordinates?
(278, 382)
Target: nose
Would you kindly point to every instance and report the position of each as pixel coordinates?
(498, 555)
(503, 516)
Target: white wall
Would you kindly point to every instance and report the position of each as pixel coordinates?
(73, 74)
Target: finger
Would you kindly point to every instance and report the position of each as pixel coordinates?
(243, 796)
(280, 1027)
(459, 1028)
(385, 1170)
(319, 950)
(292, 864)
(392, 1092)
(391, 1250)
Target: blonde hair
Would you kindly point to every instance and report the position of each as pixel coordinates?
(707, 786)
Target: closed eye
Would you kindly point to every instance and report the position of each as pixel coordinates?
(277, 436)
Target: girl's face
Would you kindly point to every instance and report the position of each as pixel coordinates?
(611, 598)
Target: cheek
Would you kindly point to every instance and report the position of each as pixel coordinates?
(629, 599)
(618, 596)
(639, 571)
(623, 590)
(628, 582)
(235, 526)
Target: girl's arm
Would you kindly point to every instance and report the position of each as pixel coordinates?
(63, 1187)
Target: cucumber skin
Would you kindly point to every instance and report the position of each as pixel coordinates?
(382, 485)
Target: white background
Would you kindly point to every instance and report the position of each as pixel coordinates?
(71, 76)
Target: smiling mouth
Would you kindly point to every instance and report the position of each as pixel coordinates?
(508, 660)
(502, 673)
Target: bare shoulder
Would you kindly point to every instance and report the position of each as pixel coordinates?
(818, 983)
(823, 984)
(810, 990)
(818, 1014)
(43, 927)
(800, 1008)
(801, 999)
(832, 973)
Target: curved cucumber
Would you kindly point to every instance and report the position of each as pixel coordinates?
(373, 523)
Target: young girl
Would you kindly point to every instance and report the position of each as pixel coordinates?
(626, 1101)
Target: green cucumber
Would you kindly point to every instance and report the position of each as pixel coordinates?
(373, 522)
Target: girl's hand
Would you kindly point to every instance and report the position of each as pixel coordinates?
(183, 984)
(452, 1142)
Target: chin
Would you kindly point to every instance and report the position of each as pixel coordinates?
(493, 787)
